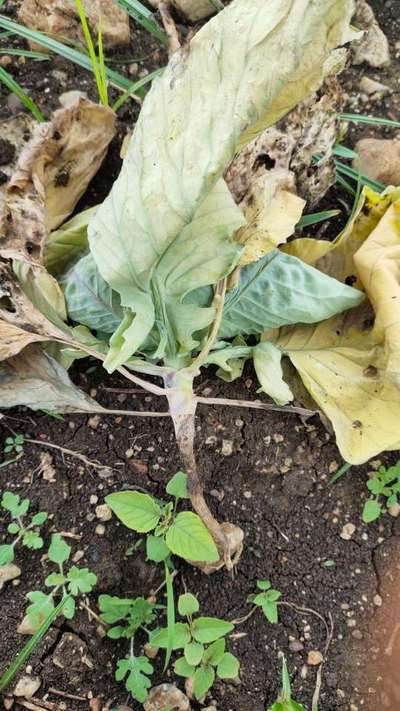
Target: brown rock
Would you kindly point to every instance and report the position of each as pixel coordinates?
(314, 658)
(193, 10)
(379, 159)
(60, 19)
(166, 696)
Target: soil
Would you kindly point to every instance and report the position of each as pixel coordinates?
(267, 472)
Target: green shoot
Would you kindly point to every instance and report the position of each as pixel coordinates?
(132, 615)
(143, 17)
(385, 483)
(13, 445)
(371, 120)
(98, 66)
(343, 152)
(38, 56)
(267, 599)
(340, 473)
(308, 220)
(344, 170)
(26, 534)
(22, 658)
(285, 701)
(170, 615)
(16, 89)
(135, 88)
(203, 644)
(71, 584)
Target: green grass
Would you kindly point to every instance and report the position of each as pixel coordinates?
(16, 89)
(97, 60)
(143, 17)
(371, 120)
(38, 56)
(308, 220)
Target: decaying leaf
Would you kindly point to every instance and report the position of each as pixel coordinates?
(52, 173)
(15, 132)
(350, 366)
(36, 380)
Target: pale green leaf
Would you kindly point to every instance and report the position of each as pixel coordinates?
(209, 629)
(228, 667)
(214, 653)
(59, 550)
(90, 301)
(279, 290)
(267, 364)
(136, 670)
(156, 549)
(190, 539)
(193, 653)
(69, 609)
(40, 608)
(80, 580)
(137, 511)
(177, 486)
(6, 554)
(68, 243)
(209, 101)
(181, 637)
(183, 668)
(188, 604)
(203, 680)
(371, 511)
(39, 518)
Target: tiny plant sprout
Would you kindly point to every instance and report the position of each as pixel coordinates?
(202, 640)
(14, 446)
(64, 583)
(267, 599)
(26, 532)
(384, 484)
(285, 701)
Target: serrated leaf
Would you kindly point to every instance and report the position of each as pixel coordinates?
(228, 667)
(193, 653)
(12, 503)
(31, 539)
(136, 670)
(80, 580)
(113, 608)
(371, 511)
(214, 653)
(157, 549)
(190, 539)
(177, 156)
(188, 604)
(279, 290)
(159, 638)
(177, 486)
(59, 550)
(208, 629)
(203, 680)
(39, 518)
(183, 668)
(139, 512)
(6, 554)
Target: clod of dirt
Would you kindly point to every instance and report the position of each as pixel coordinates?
(373, 47)
(166, 696)
(72, 655)
(60, 19)
(379, 159)
(193, 10)
(7, 573)
(27, 686)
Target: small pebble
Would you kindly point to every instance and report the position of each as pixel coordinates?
(100, 530)
(394, 510)
(347, 531)
(227, 447)
(378, 600)
(93, 499)
(314, 658)
(27, 686)
(296, 646)
(103, 512)
(94, 422)
(357, 634)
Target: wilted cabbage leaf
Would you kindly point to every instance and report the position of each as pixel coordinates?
(233, 76)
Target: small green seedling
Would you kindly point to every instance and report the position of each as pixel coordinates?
(203, 644)
(131, 616)
(384, 483)
(267, 600)
(71, 584)
(285, 701)
(13, 445)
(183, 534)
(26, 533)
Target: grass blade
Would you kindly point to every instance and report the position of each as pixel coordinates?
(143, 17)
(340, 472)
(135, 88)
(343, 169)
(16, 89)
(21, 658)
(344, 152)
(99, 78)
(371, 120)
(39, 56)
(118, 80)
(316, 217)
(170, 615)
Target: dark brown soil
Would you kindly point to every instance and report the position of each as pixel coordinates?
(268, 472)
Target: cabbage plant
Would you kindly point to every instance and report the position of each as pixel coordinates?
(163, 273)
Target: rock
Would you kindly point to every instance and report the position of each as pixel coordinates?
(47, 469)
(8, 702)
(371, 87)
(150, 651)
(26, 626)
(296, 646)
(60, 76)
(60, 19)
(5, 61)
(7, 573)
(394, 510)
(373, 47)
(14, 104)
(379, 159)
(27, 686)
(193, 10)
(357, 634)
(377, 601)
(227, 447)
(100, 530)
(71, 97)
(94, 422)
(166, 696)
(347, 531)
(103, 512)
(314, 658)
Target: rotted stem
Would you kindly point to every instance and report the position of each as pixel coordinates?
(182, 403)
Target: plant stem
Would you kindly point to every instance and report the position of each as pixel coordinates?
(219, 300)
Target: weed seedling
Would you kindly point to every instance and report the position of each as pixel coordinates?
(71, 584)
(203, 644)
(25, 533)
(385, 483)
(267, 599)
(183, 534)
(285, 701)
(13, 445)
(131, 616)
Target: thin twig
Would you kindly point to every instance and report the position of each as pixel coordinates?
(242, 620)
(65, 695)
(71, 453)
(33, 704)
(255, 405)
(83, 605)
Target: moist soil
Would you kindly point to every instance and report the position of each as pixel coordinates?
(268, 472)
